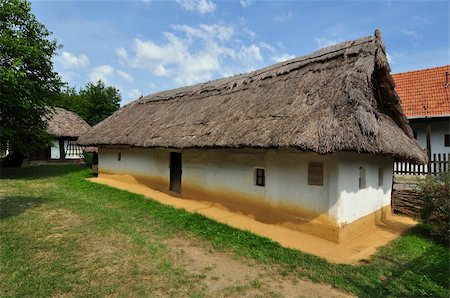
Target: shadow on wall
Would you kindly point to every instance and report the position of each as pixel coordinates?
(15, 205)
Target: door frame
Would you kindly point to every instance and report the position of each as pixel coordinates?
(176, 170)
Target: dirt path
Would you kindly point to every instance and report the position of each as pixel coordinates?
(225, 275)
(350, 252)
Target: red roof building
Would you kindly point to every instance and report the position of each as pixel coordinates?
(424, 93)
(424, 97)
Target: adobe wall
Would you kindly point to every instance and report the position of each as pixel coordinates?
(227, 178)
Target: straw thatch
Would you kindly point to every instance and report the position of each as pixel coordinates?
(337, 99)
(64, 123)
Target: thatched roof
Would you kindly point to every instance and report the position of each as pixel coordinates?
(64, 123)
(339, 98)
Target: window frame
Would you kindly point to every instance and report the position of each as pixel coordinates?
(362, 178)
(380, 176)
(260, 177)
(311, 180)
(446, 140)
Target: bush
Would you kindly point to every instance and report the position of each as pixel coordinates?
(434, 191)
(90, 158)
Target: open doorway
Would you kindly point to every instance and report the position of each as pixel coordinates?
(175, 172)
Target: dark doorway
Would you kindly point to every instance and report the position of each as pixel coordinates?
(175, 172)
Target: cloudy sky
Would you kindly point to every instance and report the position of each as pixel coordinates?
(149, 46)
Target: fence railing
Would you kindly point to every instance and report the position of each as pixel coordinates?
(439, 163)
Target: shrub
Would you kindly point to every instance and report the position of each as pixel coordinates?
(434, 190)
(90, 158)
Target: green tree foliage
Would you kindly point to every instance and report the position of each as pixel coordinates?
(93, 103)
(28, 83)
(69, 99)
(102, 101)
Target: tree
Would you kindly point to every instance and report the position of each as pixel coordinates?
(93, 103)
(28, 84)
(101, 101)
(69, 99)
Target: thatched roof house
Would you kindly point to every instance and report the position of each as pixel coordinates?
(308, 143)
(337, 99)
(64, 123)
(65, 126)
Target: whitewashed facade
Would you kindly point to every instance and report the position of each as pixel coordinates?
(354, 186)
(440, 126)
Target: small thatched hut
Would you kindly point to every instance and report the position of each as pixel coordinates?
(66, 127)
(308, 143)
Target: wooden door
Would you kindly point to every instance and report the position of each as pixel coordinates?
(175, 172)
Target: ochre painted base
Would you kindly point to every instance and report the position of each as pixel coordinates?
(289, 216)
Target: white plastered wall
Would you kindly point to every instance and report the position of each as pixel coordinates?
(141, 161)
(286, 176)
(438, 131)
(352, 202)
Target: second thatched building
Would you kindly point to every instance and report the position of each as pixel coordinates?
(308, 143)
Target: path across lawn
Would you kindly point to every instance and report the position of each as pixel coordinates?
(63, 235)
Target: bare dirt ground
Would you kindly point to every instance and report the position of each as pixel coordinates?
(349, 252)
(225, 275)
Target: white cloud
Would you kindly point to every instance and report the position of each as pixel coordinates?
(206, 32)
(125, 75)
(201, 6)
(283, 17)
(412, 34)
(282, 57)
(68, 76)
(249, 32)
(102, 72)
(132, 94)
(69, 60)
(267, 46)
(193, 54)
(323, 42)
(122, 53)
(250, 55)
(246, 3)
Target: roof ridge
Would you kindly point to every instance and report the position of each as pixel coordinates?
(421, 70)
(234, 78)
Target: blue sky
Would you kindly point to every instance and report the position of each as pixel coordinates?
(149, 46)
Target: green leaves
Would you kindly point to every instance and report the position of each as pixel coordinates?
(27, 79)
(93, 103)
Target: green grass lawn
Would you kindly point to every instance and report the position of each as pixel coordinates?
(63, 235)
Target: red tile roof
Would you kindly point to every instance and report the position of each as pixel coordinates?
(424, 92)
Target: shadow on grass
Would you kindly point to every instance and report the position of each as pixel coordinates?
(393, 273)
(16, 205)
(38, 172)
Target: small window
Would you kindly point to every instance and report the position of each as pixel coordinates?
(119, 156)
(260, 177)
(315, 173)
(380, 176)
(415, 134)
(447, 140)
(362, 177)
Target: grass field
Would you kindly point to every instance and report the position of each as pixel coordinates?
(63, 235)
